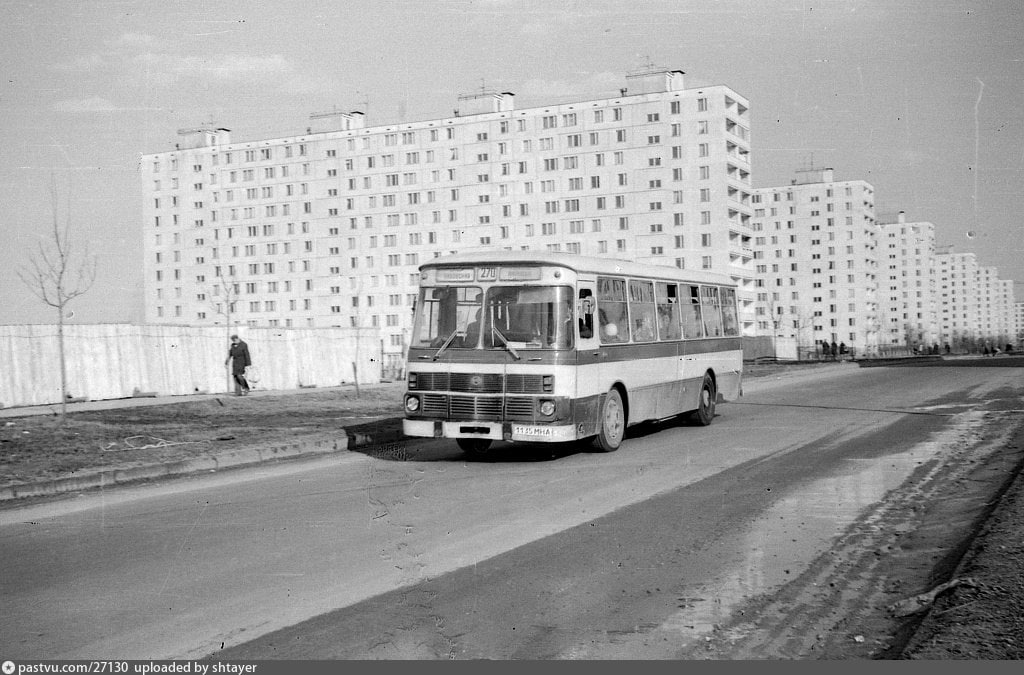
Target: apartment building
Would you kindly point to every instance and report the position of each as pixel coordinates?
(1018, 311)
(995, 307)
(815, 249)
(328, 228)
(908, 285)
(976, 305)
(958, 292)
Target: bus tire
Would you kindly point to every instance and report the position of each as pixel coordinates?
(613, 423)
(475, 447)
(705, 411)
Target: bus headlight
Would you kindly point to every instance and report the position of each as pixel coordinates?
(412, 404)
(547, 408)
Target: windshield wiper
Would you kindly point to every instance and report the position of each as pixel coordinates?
(504, 341)
(455, 333)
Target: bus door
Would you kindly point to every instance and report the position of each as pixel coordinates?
(591, 359)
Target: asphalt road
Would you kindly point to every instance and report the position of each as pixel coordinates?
(416, 553)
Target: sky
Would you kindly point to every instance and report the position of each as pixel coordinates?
(924, 99)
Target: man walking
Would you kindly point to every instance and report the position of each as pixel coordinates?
(238, 356)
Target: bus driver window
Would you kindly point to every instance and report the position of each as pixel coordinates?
(586, 314)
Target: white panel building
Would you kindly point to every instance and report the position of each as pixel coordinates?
(907, 272)
(328, 227)
(976, 305)
(959, 317)
(816, 262)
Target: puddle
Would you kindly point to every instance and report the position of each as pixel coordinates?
(783, 542)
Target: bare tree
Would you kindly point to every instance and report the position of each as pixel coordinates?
(56, 275)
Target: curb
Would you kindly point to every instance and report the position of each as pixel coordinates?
(347, 440)
(899, 361)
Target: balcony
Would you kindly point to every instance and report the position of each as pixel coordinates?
(737, 130)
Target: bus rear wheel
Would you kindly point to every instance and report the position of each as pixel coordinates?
(705, 411)
(476, 447)
(613, 423)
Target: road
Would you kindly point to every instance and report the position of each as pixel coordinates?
(417, 553)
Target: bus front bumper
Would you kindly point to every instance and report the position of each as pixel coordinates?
(495, 431)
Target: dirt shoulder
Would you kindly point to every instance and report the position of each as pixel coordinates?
(129, 434)
(982, 616)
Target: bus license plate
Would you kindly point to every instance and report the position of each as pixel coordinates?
(520, 430)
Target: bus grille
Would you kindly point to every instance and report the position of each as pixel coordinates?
(431, 382)
(476, 408)
(517, 408)
(478, 396)
(434, 405)
(482, 383)
(525, 384)
(489, 383)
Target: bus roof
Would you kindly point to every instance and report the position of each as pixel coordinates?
(579, 263)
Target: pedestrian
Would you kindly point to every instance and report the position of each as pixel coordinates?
(835, 350)
(238, 357)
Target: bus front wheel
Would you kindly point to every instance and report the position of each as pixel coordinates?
(475, 447)
(706, 407)
(613, 422)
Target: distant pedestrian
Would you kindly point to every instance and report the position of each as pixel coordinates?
(238, 357)
(835, 350)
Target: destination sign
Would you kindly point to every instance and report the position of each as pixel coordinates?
(459, 274)
(485, 274)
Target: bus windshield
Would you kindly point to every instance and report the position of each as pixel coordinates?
(505, 317)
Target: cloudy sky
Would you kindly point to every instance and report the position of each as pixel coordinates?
(924, 99)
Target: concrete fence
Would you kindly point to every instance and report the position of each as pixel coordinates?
(769, 347)
(109, 361)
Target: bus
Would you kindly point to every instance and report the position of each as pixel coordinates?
(528, 346)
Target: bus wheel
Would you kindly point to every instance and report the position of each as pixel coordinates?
(474, 446)
(613, 422)
(706, 412)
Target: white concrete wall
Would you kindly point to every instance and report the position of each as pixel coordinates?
(107, 361)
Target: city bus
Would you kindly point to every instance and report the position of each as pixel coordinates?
(527, 346)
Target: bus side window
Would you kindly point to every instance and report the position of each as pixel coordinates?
(611, 311)
(668, 311)
(711, 311)
(729, 319)
(689, 306)
(586, 314)
(642, 311)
